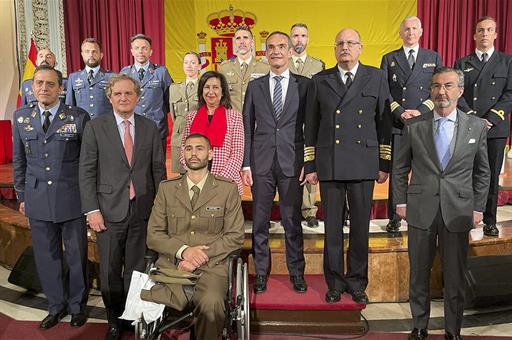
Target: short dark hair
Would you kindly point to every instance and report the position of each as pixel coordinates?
(290, 44)
(198, 135)
(92, 41)
(244, 28)
(226, 98)
(193, 53)
(483, 18)
(444, 69)
(299, 24)
(45, 67)
(141, 36)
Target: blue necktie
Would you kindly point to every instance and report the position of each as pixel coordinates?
(277, 103)
(442, 141)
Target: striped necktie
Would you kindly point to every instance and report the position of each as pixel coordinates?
(277, 102)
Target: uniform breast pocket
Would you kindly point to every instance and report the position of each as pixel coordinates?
(175, 220)
(68, 145)
(78, 88)
(30, 144)
(215, 217)
(233, 84)
(370, 97)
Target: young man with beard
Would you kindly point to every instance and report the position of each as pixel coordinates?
(86, 88)
(196, 222)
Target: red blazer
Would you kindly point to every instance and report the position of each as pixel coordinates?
(227, 160)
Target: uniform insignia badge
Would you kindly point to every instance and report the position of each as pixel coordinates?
(257, 75)
(29, 127)
(212, 208)
(67, 128)
(20, 120)
(469, 69)
(78, 81)
(27, 120)
(230, 74)
(394, 77)
(427, 65)
(392, 64)
(71, 118)
(33, 114)
(62, 116)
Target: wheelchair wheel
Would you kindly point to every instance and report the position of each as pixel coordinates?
(146, 331)
(242, 298)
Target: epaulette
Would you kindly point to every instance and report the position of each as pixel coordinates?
(225, 62)
(223, 179)
(263, 61)
(175, 178)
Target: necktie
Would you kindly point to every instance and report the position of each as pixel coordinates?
(243, 67)
(484, 57)
(348, 80)
(46, 122)
(277, 103)
(442, 141)
(188, 88)
(90, 77)
(128, 149)
(300, 66)
(410, 59)
(195, 196)
(141, 74)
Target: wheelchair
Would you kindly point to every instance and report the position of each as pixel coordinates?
(236, 324)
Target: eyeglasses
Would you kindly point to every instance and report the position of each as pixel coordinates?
(447, 86)
(349, 43)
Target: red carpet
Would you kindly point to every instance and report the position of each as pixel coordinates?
(280, 295)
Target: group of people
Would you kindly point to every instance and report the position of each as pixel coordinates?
(283, 125)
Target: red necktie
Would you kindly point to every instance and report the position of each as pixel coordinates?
(128, 149)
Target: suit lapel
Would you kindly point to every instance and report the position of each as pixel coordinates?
(265, 89)
(359, 82)
(140, 137)
(428, 137)
(418, 65)
(207, 193)
(291, 95)
(335, 83)
(402, 62)
(56, 122)
(111, 131)
(182, 193)
(99, 77)
(36, 120)
(291, 66)
(148, 75)
(462, 137)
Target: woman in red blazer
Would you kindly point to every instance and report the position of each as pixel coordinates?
(221, 124)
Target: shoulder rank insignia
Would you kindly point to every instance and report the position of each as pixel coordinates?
(62, 116)
(20, 119)
(33, 114)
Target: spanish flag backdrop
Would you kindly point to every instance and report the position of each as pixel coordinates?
(207, 26)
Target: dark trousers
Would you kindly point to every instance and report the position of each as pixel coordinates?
(164, 147)
(47, 240)
(396, 138)
(422, 249)
(290, 200)
(359, 196)
(121, 247)
(495, 151)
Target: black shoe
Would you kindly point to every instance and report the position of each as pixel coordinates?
(299, 284)
(52, 319)
(359, 296)
(312, 221)
(491, 230)
(260, 284)
(393, 227)
(449, 336)
(418, 334)
(332, 296)
(78, 319)
(113, 333)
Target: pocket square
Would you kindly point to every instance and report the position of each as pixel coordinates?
(472, 141)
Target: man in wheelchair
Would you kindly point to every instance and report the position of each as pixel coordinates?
(196, 222)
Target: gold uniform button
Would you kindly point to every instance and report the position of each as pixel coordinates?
(212, 215)
(360, 112)
(359, 126)
(193, 217)
(405, 88)
(358, 141)
(243, 83)
(337, 141)
(337, 126)
(46, 155)
(403, 99)
(474, 98)
(493, 98)
(192, 232)
(421, 99)
(47, 168)
(493, 83)
(92, 97)
(50, 182)
(338, 111)
(476, 85)
(91, 105)
(142, 97)
(44, 142)
(421, 87)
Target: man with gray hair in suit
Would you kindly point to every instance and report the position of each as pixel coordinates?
(446, 150)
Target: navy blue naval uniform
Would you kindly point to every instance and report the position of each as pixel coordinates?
(410, 90)
(90, 97)
(154, 99)
(46, 179)
(27, 96)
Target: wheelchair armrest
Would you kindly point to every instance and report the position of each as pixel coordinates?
(150, 258)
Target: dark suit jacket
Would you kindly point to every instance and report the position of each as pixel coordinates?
(488, 90)
(348, 133)
(46, 164)
(458, 190)
(265, 136)
(105, 173)
(410, 89)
